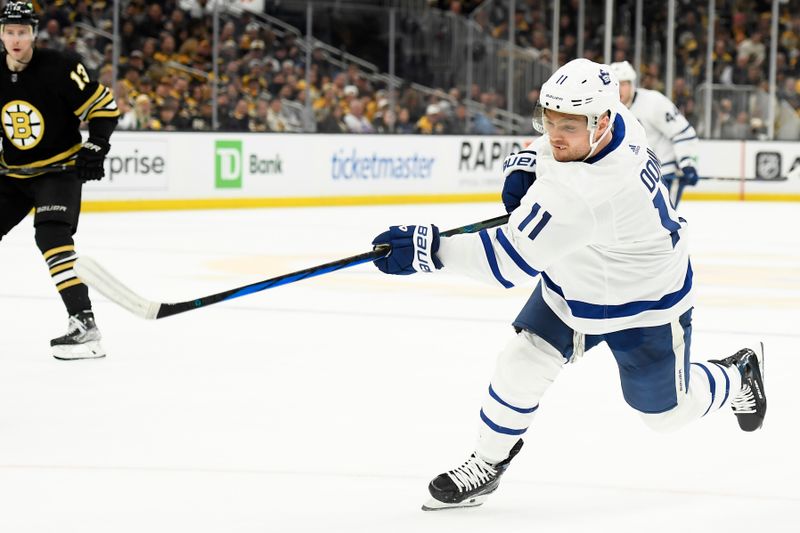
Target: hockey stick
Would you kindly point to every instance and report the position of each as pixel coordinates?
(29, 171)
(674, 189)
(94, 275)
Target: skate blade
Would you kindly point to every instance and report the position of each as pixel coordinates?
(87, 350)
(435, 505)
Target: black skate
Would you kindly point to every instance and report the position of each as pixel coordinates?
(750, 403)
(82, 340)
(468, 485)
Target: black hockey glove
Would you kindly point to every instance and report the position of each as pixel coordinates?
(89, 162)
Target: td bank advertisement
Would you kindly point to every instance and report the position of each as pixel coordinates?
(325, 165)
(196, 166)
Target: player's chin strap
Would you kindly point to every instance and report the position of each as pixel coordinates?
(593, 145)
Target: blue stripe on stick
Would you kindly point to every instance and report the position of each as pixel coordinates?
(256, 287)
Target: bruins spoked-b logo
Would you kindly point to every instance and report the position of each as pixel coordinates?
(23, 124)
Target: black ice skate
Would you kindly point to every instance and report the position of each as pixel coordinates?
(82, 340)
(468, 485)
(750, 403)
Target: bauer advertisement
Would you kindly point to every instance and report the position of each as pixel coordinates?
(274, 169)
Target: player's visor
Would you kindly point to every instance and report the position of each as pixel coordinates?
(538, 118)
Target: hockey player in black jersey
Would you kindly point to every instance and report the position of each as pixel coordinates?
(44, 97)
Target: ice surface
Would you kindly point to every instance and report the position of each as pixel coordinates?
(328, 404)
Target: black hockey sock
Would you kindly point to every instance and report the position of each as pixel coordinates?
(54, 239)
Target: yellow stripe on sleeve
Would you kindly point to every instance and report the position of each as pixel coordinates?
(78, 112)
(103, 113)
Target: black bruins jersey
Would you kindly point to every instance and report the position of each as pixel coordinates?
(43, 106)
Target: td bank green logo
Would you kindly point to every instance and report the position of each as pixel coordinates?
(228, 164)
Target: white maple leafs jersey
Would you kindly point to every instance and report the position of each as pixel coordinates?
(670, 135)
(610, 249)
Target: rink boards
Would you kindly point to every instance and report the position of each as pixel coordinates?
(161, 170)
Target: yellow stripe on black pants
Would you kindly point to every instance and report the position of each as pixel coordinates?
(60, 262)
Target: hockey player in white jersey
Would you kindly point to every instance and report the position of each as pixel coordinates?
(591, 226)
(669, 134)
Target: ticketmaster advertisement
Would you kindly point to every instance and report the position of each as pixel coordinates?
(321, 169)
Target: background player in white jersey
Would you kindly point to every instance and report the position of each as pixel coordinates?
(591, 224)
(669, 134)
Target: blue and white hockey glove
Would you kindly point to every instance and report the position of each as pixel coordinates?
(519, 170)
(413, 249)
(516, 185)
(690, 176)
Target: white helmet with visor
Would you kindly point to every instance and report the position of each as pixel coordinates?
(581, 87)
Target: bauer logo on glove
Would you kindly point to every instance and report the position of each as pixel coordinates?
(412, 249)
(525, 160)
(422, 250)
(90, 159)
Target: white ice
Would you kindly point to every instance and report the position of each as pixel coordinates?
(328, 404)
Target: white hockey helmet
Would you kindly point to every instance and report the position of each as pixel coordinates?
(580, 87)
(624, 71)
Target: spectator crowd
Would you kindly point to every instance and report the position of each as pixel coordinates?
(165, 76)
(741, 62)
